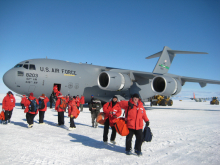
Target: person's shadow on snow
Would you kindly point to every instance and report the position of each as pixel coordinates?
(87, 141)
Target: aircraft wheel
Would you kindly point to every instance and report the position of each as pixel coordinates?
(163, 103)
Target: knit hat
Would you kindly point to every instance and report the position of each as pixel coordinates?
(114, 97)
(9, 92)
(43, 95)
(31, 94)
(135, 95)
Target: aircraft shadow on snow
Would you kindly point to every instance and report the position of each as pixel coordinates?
(87, 141)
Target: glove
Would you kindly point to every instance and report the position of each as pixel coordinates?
(147, 123)
(71, 116)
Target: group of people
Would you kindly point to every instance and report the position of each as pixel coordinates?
(134, 116)
(134, 113)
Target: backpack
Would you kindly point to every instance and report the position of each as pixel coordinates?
(33, 105)
(41, 104)
(121, 127)
(147, 134)
(63, 103)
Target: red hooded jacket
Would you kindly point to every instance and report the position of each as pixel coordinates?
(27, 103)
(8, 102)
(82, 100)
(78, 101)
(134, 116)
(72, 108)
(107, 108)
(23, 100)
(55, 89)
(45, 99)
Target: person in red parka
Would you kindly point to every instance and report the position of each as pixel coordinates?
(55, 89)
(8, 104)
(112, 111)
(23, 100)
(31, 111)
(60, 107)
(72, 112)
(43, 100)
(82, 101)
(134, 116)
(77, 101)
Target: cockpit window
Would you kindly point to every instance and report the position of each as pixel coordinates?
(18, 65)
(26, 61)
(32, 67)
(25, 66)
(20, 73)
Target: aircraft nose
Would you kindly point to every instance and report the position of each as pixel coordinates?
(9, 79)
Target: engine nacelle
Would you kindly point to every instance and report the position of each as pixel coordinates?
(113, 81)
(165, 85)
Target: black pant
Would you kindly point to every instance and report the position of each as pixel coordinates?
(8, 115)
(30, 118)
(138, 142)
(41, 116)
(106, 129)
(22, 106)
(61, 118)
(72, 124)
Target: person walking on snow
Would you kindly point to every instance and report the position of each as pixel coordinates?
(60, 107)
(31, 111)
(8, 104)
(72, 113)
(112, 111)
(134, 116)
(43, 100)
(82, 101)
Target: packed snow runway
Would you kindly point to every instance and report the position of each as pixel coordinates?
(186, 133)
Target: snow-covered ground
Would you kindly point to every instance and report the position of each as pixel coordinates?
(186, 133)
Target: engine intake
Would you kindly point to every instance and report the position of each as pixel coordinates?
(167, 86)
(113, 81)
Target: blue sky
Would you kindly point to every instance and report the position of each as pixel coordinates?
(116, 33)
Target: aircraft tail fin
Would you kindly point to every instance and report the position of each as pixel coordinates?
(194, 95)
(166, 58)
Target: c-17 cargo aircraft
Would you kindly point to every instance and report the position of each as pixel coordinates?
(40, 75)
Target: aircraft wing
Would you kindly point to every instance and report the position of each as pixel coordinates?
(202, 82)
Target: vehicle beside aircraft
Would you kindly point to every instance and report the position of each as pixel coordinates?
(40, 75)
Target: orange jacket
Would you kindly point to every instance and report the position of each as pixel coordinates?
(8, 103)
(55, 89)
(27, 103)
(72, 108)
(82, 100)
(78, 101)
(57, 105)
(134, 116)
(45, 99)
(108, 110)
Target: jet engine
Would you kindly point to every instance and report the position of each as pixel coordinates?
(165, 85)
(113, 81)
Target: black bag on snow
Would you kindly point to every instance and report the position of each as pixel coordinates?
(147, 135)
(41, 104)
(33, 105)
